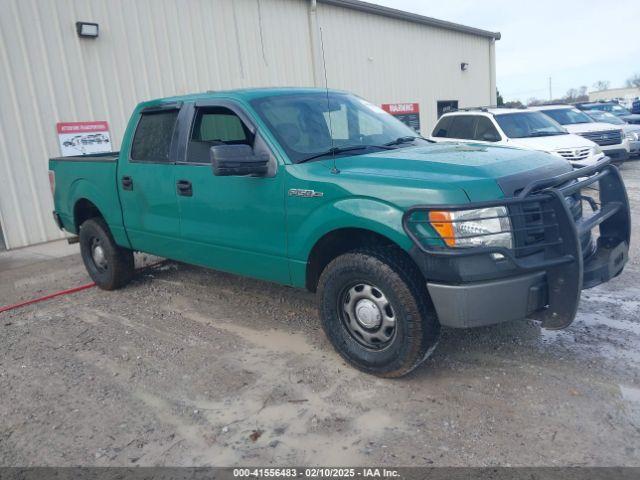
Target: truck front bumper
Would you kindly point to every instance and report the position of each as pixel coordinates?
(485, 303)
(479, 286)
(513, 298)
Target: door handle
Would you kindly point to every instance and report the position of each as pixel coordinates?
(184, 188)
(127, 183)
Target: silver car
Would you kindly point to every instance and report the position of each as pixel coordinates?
(631, 131)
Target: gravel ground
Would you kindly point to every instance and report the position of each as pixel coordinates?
(192, 367)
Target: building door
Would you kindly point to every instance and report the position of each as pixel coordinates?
(445, 106)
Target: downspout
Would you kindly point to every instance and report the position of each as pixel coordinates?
(314, 38)
(493, 98)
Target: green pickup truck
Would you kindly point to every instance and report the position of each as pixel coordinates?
(322, 190)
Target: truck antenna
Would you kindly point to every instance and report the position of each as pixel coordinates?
(334, 169)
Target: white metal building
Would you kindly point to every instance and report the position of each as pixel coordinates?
(629, 93)
(155, 48)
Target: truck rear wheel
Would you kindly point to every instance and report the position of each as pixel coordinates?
(108, 264)
(376, 311)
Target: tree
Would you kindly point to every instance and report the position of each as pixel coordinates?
(513, 104)
(571, 95)
(500, 100)
(634, 81)
(582, 94)
(576, 95)
(602, 85)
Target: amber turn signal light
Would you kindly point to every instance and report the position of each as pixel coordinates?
(441, 221)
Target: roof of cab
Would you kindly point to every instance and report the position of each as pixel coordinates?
(243, 93)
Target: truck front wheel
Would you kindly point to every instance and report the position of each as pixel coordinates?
(376, 311)
(108, 264)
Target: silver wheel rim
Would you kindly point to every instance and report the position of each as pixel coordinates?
(98, 254)
(367, 315)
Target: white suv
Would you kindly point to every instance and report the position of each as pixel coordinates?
(517, 128)
(611, 138)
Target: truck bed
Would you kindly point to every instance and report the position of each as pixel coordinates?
(87, 182)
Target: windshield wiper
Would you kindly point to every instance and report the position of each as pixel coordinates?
(406, 139)
(337, 150)
(333, 151)
(545, 134)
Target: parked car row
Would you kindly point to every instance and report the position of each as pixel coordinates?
(611, 107)
(611, 139)
(583, 138)
(631, 131)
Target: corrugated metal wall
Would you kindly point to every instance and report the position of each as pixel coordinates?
(626, 93)
(155, 48)
(390, 61)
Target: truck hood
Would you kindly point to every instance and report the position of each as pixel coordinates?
(552, 142)
(483, 172)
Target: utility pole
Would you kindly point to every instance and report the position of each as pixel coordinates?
(550, 92)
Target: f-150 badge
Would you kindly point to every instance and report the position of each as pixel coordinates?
(300, 192)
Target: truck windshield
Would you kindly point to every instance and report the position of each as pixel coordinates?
(568, 116)
(528, 124)
(308, 125)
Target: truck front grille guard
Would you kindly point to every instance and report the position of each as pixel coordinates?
(546, 233)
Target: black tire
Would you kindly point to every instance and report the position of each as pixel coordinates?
(398, 282)
(112, 269)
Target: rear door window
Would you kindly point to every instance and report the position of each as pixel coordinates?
(463, 127)
(152, 140)
(442, 127)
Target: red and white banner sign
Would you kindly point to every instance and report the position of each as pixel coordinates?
(401, 108)
(407, 113)
(83, 138)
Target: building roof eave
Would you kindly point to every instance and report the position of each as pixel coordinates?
(410, 17)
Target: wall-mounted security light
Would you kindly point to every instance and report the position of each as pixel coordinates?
(87, 29)
(464, 66)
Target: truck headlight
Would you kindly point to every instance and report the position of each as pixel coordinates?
(633, 136)
(482, 227)
(595, 150)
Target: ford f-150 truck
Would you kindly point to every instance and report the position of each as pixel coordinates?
(322, 190)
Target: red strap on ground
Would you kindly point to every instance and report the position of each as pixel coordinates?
(47, 297)
(65, 292)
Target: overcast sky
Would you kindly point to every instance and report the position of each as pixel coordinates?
(574, 42)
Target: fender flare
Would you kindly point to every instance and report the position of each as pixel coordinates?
(83, 189)
(355, 212)
(108, 207)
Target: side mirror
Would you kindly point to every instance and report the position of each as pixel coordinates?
(237, 160)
